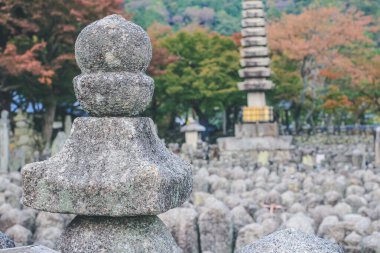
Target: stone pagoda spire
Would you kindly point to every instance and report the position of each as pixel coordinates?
(255, 63)
(113, 171)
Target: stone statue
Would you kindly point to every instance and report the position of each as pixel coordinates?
(4, 142)
(113, 171)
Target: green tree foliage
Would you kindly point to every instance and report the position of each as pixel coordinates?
(203, 77)
(222, 16)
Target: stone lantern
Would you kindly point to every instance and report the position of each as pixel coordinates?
(192, 133)
(113, 172)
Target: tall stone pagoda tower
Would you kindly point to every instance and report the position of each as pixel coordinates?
(256, 72)
(258, 133)
(255, 62)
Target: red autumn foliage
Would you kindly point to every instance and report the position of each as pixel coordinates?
(318, 35)
(236, 37)
(54, 24)
(161, 56)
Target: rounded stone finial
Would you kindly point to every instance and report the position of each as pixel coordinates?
(113, 55)
(113, 44)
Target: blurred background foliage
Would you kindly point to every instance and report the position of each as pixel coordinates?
(325, 60)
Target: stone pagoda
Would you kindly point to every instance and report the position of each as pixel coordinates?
(257, 116)
(113, 172)
(257, 132)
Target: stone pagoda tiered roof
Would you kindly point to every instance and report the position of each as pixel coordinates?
(255, 59)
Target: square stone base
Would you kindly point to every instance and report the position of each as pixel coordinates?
(258, 149)
(251, 130)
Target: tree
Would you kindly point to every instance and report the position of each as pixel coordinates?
(336, 103)
(147, 12)
(205, 75)
(55, 24)
(161, 58)
(316, 40)
(222, 16)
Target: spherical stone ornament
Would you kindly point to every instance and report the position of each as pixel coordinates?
(113, 44)
(113, 54)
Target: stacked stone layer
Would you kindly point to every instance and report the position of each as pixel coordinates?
(255, 53)
(113, 171)
(255, 61)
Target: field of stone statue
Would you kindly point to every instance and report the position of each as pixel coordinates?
(329, 187)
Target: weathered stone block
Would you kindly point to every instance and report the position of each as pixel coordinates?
(256, 130)
(111, 167)
(256, 84)
(114, 94)
(6, 242)
(253, 22)
(113, 44)
(254, 52)
(254, 41)
(255, 62)
(113, 54)
(259, 31)
(255, 72)
(29, 249)
(253, 4)
(253, 13)
(291, 240)
(256, 143)
(120, 235)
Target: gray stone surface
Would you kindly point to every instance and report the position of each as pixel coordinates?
(58, 142)
(193, 127)
(255, 62)
(249, 234)
(257, 130)
(377, 147)
(294, 241)
(254, 41)
(257, 143)
(254, 52)
(258, 31)
(113, 44)
(113, 55)
(6, 242)
(4, 142)
(253, 22)
(216, 228)
(114, 94)
(30, 249)
(252, 85)
(20, 235)
(253, 13)
(111, 167)
(145, 234)
(182, 223)
(253, 5)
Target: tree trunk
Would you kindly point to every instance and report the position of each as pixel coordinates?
(202, 117)
(48, 116)
(5, 100)
(172, 123)
(225, 122)
(297, 118)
